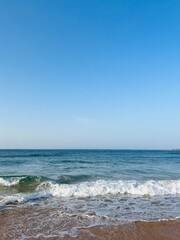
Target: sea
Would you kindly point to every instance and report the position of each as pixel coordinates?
(73, 189)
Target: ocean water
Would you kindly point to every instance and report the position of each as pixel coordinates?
(81, 188)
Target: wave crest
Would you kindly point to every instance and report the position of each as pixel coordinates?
(48, 189)
(10, 181)
(102, 187)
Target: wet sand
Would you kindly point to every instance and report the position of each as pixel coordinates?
(23, 224)
(167, 230)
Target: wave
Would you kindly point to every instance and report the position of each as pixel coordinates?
(44, 188)
(22, 183)
(70, 179)
(103, 187)
(8, 181)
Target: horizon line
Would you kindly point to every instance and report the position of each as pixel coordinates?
(120, 149)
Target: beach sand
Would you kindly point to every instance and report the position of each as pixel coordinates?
(23, 224)
(166, 230)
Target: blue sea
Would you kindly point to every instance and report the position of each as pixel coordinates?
(84, 188)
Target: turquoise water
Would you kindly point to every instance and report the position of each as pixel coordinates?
(99, 186)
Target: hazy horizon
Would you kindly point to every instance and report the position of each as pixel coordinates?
(93, 149)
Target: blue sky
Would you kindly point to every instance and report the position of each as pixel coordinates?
(90, 74)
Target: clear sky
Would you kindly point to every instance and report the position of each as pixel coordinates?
(90, 74)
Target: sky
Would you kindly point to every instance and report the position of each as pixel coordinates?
(90, 74)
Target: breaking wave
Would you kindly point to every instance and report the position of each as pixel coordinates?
(103, 187)
(15, 180)
(34, 188)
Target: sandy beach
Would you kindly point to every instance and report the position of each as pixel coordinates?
(23, 224)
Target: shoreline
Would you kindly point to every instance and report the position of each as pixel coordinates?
(19, 224)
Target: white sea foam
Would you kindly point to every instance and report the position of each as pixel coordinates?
(19, 198)
(23, 197)
(102, 187)
(9, 181)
